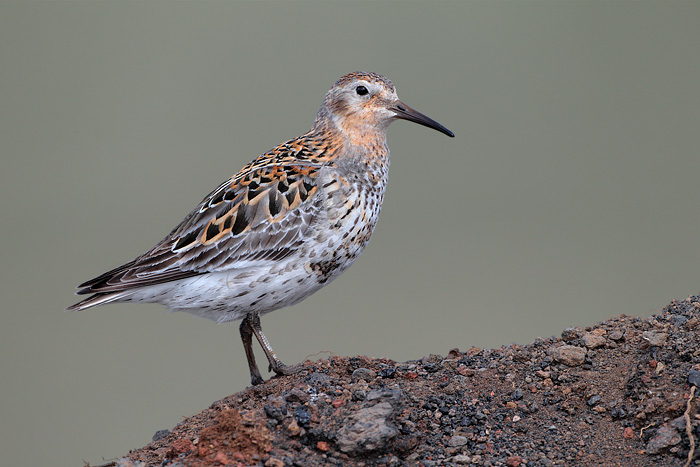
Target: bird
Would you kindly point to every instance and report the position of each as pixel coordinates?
(284, 226)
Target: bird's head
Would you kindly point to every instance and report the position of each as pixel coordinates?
(362, 105)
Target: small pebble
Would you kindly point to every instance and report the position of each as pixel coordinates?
(273, 412)
(293, 428)
(461, 459)
(338, 402)
(593, 341)
(664, 437)
(359, 395)
(296, 395)
(302, 416)
(694, 378)
(678, 320)
(274, 462)
(593, 400)
(656, 339)
(616, 335)
(678, 423)
(570, 355)
(457, 441)
(570, 334)
(364, 373)
(160, 434)
(322, 446)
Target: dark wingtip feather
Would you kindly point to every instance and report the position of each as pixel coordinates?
(98, 299)
(84, 291)
(83, 304)
(79, 305)
(87, 285)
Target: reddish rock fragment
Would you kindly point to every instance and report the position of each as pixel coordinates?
(322, 446)
(221, 458)
(665, 437)
(178, 447)
(654, 338)
(293, 428)
(274, 462)
(593, 340)
(570, 355)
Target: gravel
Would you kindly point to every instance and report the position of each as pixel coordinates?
(612, 394)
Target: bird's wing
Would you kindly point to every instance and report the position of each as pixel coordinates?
(260, 214)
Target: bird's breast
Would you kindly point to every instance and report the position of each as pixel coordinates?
(352, 200)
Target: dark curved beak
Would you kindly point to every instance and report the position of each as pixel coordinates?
(405, 112)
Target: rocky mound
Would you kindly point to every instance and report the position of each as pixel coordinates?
(621, 392)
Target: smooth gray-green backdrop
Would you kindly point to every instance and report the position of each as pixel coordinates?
(569, 195)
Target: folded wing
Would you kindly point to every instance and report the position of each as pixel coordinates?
(261, 214)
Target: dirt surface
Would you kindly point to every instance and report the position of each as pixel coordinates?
(619, 393)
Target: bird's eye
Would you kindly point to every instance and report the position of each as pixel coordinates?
(361, 90)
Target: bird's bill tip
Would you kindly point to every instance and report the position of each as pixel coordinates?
(405, 112)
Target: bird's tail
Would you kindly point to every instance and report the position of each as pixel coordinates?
(100, 299)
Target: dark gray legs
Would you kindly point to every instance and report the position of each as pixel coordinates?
(250, 325)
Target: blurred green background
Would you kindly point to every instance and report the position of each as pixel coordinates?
(569, 195)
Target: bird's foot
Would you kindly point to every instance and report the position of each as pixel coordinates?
(256, 379)
(281, 369)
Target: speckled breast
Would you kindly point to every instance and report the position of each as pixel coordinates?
(352, 198)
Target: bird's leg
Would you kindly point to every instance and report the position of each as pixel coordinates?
(247, 338)
(275, 364)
